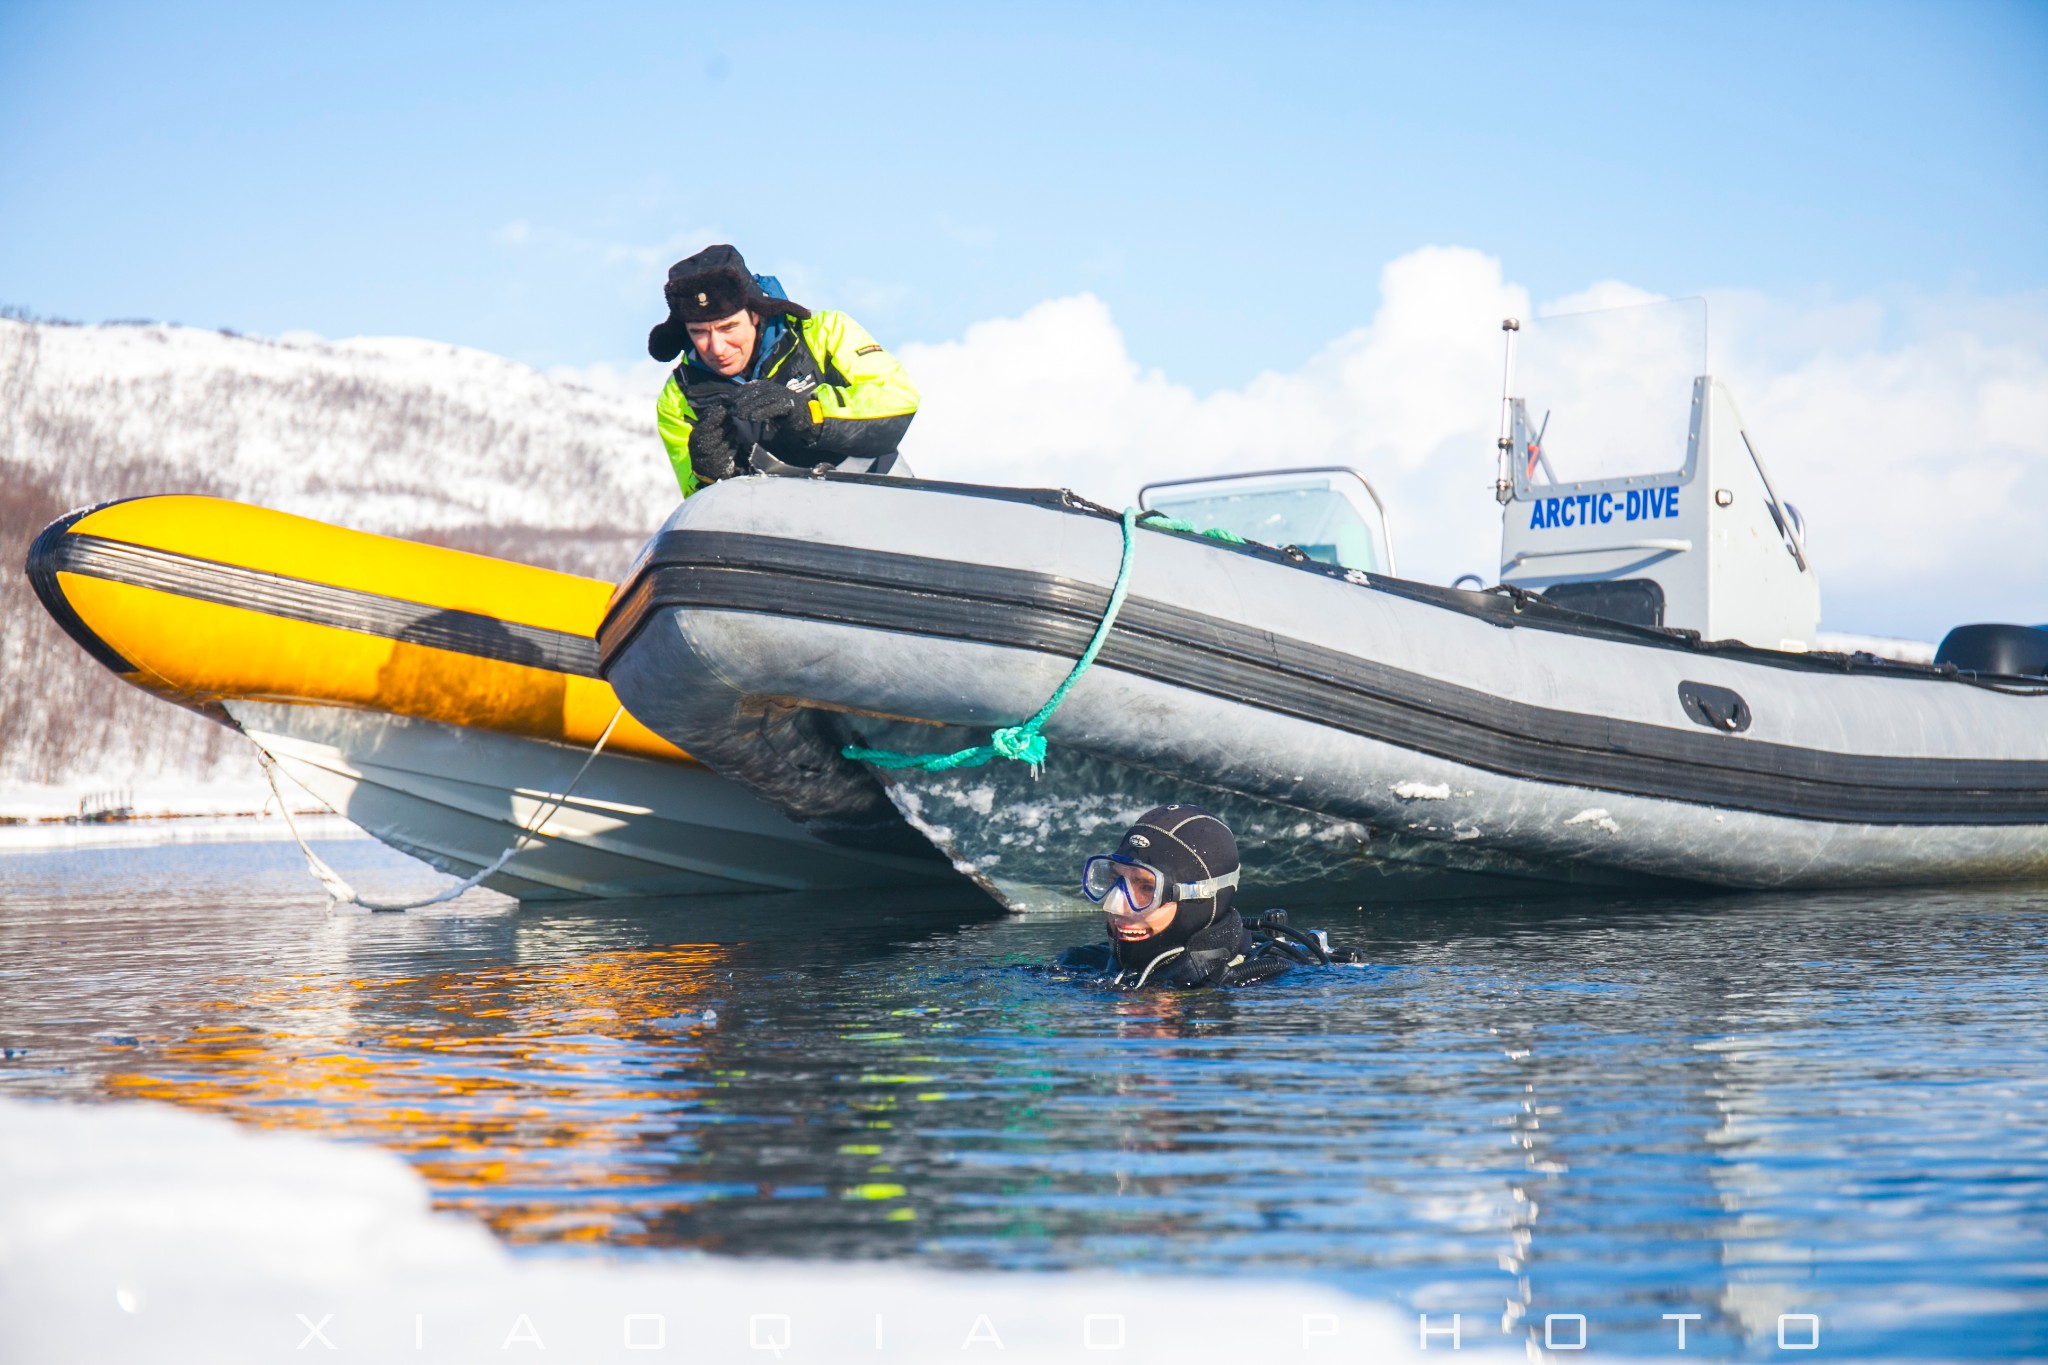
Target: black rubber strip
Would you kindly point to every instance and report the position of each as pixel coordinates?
(1055, 615)
(298, 599)
(1503, 605)
(43, 555)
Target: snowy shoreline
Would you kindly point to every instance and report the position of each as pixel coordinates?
(53, 816)
(145, 1231)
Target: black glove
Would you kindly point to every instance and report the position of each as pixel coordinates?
(713, 454)
(775, 409)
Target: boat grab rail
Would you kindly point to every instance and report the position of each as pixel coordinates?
(1673, 546)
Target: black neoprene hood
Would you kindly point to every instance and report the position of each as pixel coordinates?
(1183, 841)
(1186, 844)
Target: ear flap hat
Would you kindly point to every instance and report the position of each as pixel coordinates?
(715, 283)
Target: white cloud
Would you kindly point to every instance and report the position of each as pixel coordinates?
(1914, 436)
(1053, 397)
(646, 256)
(637, 268)
(1922, 461)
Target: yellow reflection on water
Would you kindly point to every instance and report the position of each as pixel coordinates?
(526, 1093)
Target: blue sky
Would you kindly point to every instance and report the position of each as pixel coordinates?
(1229, 182)
(1098, 232)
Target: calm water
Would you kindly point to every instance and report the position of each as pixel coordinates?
(1738, 1107)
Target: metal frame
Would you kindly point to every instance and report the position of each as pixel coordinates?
(1386, 532)
(1523, 488)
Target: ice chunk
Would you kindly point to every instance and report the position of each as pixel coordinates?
(142, 1232)
(1597, 817)
(1423, 791)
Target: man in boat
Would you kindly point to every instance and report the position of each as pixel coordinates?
(1168, 892)
(766, 382)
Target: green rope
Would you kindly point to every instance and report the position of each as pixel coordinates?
(1023, 743)
(1160, 521)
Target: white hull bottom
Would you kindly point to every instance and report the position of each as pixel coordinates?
(1022, 837)
(456, 798)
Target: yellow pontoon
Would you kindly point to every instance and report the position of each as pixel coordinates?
(438, 699)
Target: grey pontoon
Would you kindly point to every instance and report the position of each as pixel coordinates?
(1638, 703)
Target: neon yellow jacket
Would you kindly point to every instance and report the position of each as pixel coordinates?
(861, 400)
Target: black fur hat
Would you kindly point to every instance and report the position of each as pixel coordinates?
(715, 283)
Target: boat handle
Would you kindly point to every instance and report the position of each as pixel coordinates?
(1675, 546)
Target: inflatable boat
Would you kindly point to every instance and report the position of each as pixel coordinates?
(438, 699)
(1638, 703)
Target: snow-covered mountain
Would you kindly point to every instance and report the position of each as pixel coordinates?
(404, 437)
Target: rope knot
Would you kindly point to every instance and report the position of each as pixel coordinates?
(1020, 742)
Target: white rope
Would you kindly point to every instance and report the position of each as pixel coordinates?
(339, 892)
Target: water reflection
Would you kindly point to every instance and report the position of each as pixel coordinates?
(1736, 1106)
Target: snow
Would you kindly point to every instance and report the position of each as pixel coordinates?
(236, 827)
(1598, 818)
(1423, 791)
(158, 799)
(133, 1232)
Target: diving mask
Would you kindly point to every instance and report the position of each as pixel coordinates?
(1145, 887)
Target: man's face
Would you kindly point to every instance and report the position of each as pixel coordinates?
(726, 345)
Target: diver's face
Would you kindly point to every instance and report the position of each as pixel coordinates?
(1135, 926)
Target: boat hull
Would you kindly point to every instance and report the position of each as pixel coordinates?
(456, 797)
(1481, 735)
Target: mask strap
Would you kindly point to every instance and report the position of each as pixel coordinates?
(1203, 890)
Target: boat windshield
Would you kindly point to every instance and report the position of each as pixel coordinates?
(1608, 391)
(1331, 515)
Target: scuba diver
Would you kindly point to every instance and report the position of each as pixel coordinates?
(1168, 892)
